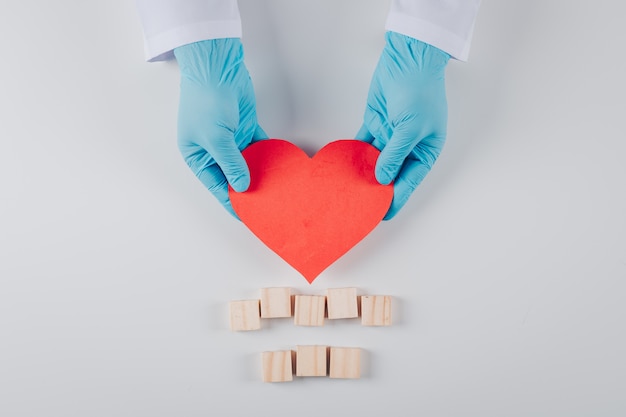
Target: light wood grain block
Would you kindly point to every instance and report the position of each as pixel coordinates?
(376, 310)
(311, 361)
(342, 303)
(345, 362)
(309, 310)
(245, 315)
(275, 302)
(277, 366)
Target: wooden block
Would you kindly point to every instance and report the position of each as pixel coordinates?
(345, 362)
(277, 366)
(376, 310)
(311, 361)
(309, 310)
(275, 302)
(342, 303)
(245, 315)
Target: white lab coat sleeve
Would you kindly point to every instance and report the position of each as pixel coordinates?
(168, 24)
(445, 24)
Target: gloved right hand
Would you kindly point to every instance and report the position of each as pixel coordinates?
(406, 114)
(217, 114)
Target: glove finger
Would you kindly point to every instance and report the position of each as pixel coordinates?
(364, 135)
(222, 147)
(214, 180)
(259, 134)
(411, 175)
(393, 155)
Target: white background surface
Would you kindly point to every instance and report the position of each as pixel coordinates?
(508, 265)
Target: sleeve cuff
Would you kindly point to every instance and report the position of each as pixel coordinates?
(457, 47)
(160, 47)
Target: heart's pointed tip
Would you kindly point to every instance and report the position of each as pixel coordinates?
(310, 277)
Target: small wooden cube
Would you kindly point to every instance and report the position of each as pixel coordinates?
(376, 310)
(342, 303)
(345, 362)
(275, 302)
(309, 310)
(277, 366)
(245, 315)
(311, 361)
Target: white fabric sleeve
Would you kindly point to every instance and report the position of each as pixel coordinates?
(168, 24)
(445, 24)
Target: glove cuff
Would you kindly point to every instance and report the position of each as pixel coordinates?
(208, 62)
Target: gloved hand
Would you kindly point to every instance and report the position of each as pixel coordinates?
(217, 114)
(406, 114)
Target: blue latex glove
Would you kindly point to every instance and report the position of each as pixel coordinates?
(406, 114)
(217, 114)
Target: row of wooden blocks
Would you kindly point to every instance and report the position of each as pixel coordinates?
(335, 362)
(310, 310)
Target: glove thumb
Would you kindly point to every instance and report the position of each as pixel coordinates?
(392, 156)
(364, 135)
(228, 156)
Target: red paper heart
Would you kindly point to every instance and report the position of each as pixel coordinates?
(311, 211)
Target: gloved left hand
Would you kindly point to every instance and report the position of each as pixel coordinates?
(406, 114)
(217, 114)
